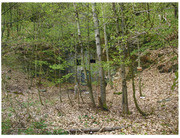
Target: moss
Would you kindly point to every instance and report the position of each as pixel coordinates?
(118, 93)
(105, 107)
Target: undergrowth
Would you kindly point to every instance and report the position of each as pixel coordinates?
(36, 128)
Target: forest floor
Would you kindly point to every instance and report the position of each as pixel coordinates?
(24, 109)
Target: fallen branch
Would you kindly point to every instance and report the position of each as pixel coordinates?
(98, 129)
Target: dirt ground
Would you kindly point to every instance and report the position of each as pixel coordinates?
(21, 105)
(159, 99)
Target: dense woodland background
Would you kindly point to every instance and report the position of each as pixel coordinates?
(89, 68)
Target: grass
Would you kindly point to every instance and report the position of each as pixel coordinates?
(6, 126)
(37, 127)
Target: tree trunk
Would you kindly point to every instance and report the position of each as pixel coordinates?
(3, 27)
(89, 65)
(10, 15)
(39, 68)
(125, 108)
(82, 58)
(99, 54)
(69, 97)
(175, 5)
(148, 12)
(107, 49)
(77, 86)
(139, 62)
(8, 30)
(76, 80)
(133, 86)
(59, 74)
(60, 93)
(139, 73)
(123, 72)
(17, 26)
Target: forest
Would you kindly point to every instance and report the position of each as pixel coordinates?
(89, 68)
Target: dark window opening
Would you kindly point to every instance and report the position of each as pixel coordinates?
(78, 61)
(92, 61)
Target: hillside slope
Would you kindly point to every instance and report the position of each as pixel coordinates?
(24, 110)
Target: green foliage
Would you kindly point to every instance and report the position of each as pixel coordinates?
(39, 125)
(174, 58)
(107, 65)
(79, 117)
(67, 76)
(86, 124)
(41, 128)
(11, 109)
(25, 104)
(49, 28)
(28, 131)
(105, 107)
(60, 132)
(40, 62)
(118, 93)
(56, 66)
(175, 83)
(6, 126)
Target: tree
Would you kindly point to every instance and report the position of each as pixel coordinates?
(175, 5)
(99, 56)
(48, 37)
(125, 108)
(133, 86)
(106, 46)
(82, 57)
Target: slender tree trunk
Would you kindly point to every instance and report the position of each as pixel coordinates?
(89, 65)
(107, 49)
(4, 26)
(10, 16)
(55, 72)
(77, 95)
(4, 23)
(77, 86)
(99, 56)
(139, 73)
(8, 30)
(123, 72)
(70, 98)
(139, 62)
(134, 93)
(133, 86)
(125, 108)
(148, 12)
(60, 93)
(9, 25)
(40, 78)
(59, 75)
(175, 5)
(176, 12)
(76, 79)
(88, 40)
(31, 75)
(82, 57)
(40, 69)
(17, 26)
